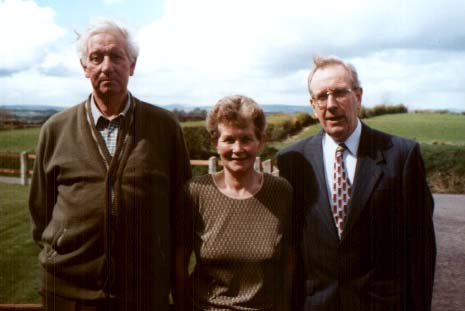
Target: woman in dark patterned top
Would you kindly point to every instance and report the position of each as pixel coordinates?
(241, 218)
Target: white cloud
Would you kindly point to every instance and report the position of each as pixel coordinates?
(205, 49)
(28, 31)
(410, 52)
(33, 87)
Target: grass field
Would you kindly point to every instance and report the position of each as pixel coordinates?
(426, 128)
(18, 262)
(18, 140)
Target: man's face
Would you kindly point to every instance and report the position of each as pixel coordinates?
(107, 64)
(339, 117)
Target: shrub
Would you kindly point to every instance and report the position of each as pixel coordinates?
(198, 142)
(381, 110)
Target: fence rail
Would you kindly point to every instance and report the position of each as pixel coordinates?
(212, 163)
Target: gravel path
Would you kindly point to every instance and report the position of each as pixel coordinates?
(449, 220)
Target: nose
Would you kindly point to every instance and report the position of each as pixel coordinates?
(237, 146)
(331, 103)
(107, 65)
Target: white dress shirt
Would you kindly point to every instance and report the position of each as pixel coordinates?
(350, 155)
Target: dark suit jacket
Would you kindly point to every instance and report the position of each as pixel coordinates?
(385, 258)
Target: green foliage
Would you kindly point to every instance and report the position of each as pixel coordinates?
(19, 276)
(304, 119)
(281, 126)
(196, 114)
(198, 142)
(445, 167)
(193, 124)
(382, 110)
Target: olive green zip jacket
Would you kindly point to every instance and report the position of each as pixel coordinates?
(109, 226)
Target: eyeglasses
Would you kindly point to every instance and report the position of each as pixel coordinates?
(339, 94)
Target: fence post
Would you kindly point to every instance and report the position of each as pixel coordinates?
(23, 168)
(212, 163)
(267, 166)
(258, 164)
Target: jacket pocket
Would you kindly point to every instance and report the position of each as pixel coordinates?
(52, 234)
(50, 238)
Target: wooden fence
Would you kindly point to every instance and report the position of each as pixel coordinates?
(213, 163)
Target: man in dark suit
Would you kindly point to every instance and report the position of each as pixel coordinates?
(363, 210)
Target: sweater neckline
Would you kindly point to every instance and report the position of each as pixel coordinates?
(123, 136)
(217, 188)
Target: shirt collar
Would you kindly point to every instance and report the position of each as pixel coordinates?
(351, 142)
(97, 114)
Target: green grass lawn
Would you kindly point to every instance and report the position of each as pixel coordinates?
(427, 128)
(18, 262)
(19, 140)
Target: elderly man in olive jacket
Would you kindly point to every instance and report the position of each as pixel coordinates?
(105, 196)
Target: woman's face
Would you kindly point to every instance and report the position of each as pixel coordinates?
(238, 147)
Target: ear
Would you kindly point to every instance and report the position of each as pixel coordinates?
(84, 67)
(312, 104)
(132, 67)
(358, 93)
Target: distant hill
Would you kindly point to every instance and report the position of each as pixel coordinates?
(267, 108)
(31, 107)
(39, 112)
(29, 114)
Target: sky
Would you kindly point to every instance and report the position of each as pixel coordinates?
(195, 52)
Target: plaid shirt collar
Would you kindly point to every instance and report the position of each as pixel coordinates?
(97, 114)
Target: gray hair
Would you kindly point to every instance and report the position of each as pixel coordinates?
(324, 61)
(101, 26)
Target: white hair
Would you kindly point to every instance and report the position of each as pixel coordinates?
(324, 61)
(104, 25)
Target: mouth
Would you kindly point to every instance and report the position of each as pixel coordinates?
(239, 159)
(335, 118)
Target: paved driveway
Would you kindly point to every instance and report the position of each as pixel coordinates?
(449, 220)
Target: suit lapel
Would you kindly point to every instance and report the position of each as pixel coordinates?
(314, 154)
(367, 174)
